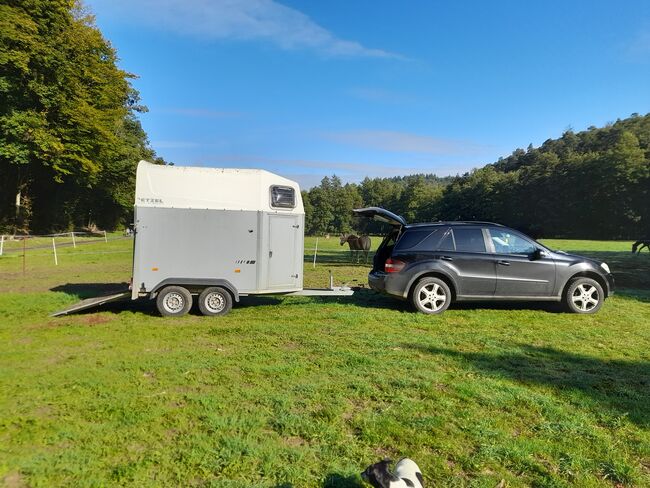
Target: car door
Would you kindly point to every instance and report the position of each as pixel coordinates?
(464, 253)
(523, 267)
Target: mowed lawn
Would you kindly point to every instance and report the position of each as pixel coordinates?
(301, 392)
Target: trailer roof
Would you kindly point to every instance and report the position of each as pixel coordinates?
(210, 188)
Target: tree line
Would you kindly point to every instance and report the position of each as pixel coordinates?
(69, 136)
(589, 184)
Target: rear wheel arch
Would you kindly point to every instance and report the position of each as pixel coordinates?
(197, 285)
(433, 274)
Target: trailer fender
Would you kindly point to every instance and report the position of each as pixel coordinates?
(197, 283)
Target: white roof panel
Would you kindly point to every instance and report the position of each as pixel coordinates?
(209, 188)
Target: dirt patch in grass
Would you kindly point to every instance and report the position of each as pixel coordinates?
(95, 319)
(294, 441)
(13, 480)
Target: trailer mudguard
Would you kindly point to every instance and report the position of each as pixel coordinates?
(197, 282)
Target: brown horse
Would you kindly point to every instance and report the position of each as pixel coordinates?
(357, 244)
(640, 244)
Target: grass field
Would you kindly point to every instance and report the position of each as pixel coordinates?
(300, 392)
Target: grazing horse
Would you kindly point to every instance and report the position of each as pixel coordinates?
(640, 244)
(357, 244)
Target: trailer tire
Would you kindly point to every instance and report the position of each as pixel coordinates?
(173, 301)
(214, 301)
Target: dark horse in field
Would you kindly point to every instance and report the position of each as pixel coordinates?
(640, 244)
(357, 244)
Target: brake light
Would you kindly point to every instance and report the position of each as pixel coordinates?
(394, 265)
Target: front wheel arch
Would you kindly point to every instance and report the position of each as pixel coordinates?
(586, 274)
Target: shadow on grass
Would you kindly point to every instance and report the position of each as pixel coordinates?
(638, 295)
(334, 480)
(363, 298)
(341, 481)
(630, 270)
(622, 387)
(341, 257)
(90, 290)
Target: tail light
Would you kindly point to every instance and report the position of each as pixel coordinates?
(394, 265)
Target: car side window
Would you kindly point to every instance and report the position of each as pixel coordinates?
(469, 239)
(420, 240)
(447, 242)
(506, 242)
(411, 239)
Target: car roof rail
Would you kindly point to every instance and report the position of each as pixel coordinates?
(455, 222)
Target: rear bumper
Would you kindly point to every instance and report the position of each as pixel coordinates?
(377, 281)
(390, 284)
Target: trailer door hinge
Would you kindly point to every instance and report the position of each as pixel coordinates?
(294, 276)
(297, 226)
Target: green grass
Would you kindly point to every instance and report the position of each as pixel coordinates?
(307, 392)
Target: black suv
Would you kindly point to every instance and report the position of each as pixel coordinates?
(434, 264)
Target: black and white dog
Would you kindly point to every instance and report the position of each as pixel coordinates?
(407, 475)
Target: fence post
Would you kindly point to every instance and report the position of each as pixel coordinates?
(315, 252)
(105, 238)
(2, 244)
(74, 244)
(56, 260)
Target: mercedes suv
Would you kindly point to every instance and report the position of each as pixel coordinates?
(434, 264)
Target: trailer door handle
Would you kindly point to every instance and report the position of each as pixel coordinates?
(503, 263)
(270, 254)
(446, 258)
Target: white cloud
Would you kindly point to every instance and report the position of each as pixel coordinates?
(309, 172)
(173, 144)
(404, 142)
(199, 113)
(264, 20)
(638, 49)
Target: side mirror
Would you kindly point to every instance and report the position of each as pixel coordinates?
(537, 254)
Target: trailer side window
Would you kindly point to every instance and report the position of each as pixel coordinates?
(283, 197)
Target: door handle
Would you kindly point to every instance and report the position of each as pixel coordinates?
(270, 254)
(446, 258)
(503, 263)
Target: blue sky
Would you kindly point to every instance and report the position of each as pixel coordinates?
(375, 88)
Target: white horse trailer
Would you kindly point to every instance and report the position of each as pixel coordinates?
(216, 234)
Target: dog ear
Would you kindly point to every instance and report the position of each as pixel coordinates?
(378, 475)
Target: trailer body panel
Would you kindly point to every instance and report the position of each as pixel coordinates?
(237, 235)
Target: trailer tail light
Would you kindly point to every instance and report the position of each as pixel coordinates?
(394, 265)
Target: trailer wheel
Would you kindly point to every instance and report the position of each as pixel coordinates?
(174, 301)
(215, 301)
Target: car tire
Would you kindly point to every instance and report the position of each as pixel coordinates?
(583, 295)
(173, 301)
(214, 301)
(431, 296)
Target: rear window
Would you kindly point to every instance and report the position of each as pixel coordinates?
(420, 240)
(469, 240)
(283, 197)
